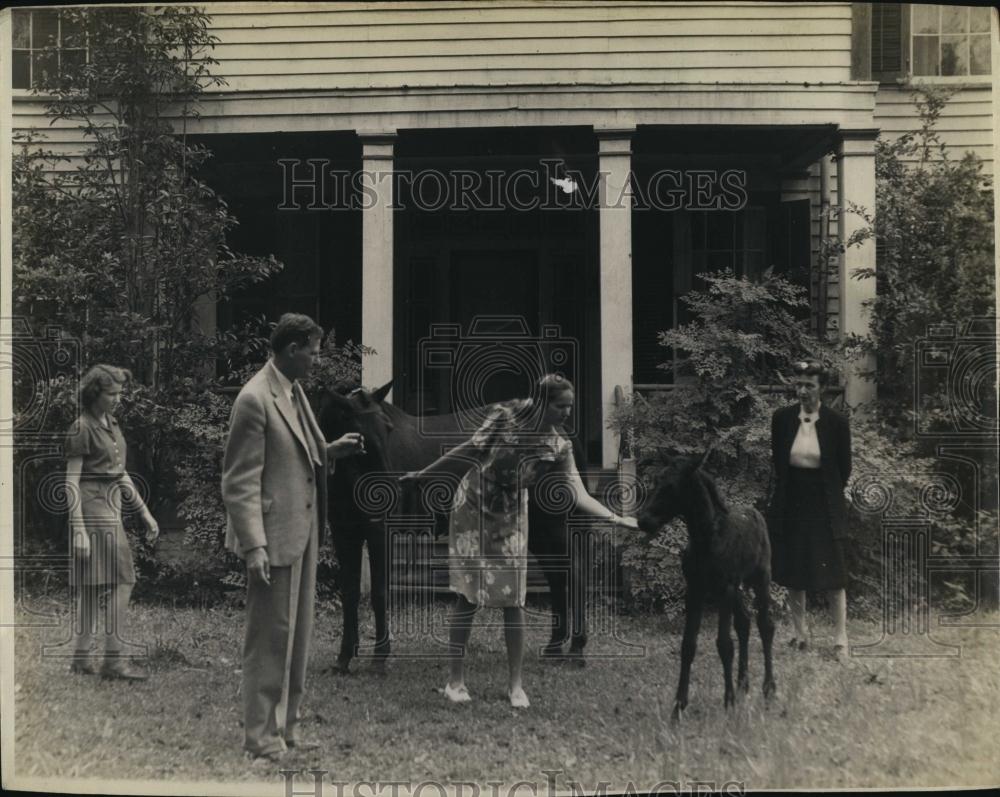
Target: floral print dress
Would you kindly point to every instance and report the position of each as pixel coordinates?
(488, 531)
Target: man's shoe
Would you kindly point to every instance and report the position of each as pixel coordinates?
(82, 665)
(270, 757)
(121, 671)
(302, 744)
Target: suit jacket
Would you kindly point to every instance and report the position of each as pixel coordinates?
(269, 480)
(834, 435)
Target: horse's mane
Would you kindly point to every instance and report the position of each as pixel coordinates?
(708, 492)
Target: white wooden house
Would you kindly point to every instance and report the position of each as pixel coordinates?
(789, 95)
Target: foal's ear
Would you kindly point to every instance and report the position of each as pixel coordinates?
(704, 458)
(379, 395)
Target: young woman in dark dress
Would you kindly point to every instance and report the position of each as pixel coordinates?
(811, 451)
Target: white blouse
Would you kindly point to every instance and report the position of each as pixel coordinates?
(805, 448)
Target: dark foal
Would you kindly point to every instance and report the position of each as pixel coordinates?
(726, 548)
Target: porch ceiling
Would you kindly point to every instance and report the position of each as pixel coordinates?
(787, 148)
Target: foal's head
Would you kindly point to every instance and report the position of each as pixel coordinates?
(675, 493)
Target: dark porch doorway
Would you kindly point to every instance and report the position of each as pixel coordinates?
(510, 289)
(747, 230)
(283, 190)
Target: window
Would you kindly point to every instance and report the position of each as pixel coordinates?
(950, 41)
(44, 44)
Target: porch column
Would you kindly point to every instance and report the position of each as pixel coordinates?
(856, 185)
(614, 170)
(376, 259)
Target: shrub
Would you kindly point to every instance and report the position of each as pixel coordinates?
(934, 232)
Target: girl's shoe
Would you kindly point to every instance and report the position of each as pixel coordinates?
(518, 699)
(458, 694)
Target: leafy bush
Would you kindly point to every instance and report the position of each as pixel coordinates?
(731, 358)
(934, 231)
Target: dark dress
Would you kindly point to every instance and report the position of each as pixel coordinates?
(103, 452)
(807, 518)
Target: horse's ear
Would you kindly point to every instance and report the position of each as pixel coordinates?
(379, 395)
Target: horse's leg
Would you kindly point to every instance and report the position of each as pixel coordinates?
(348, 544)
(542, 546)
(724, 644)
(378, 560)
(741, 619)
(693, 600)
(765, 625)
(579, 559)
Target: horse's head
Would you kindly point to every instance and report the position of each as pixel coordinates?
(673, 492)
(354, 409)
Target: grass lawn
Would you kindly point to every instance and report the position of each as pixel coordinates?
(873, 722)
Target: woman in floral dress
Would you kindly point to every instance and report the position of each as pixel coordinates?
(516, 445)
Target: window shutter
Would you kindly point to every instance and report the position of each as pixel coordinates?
(890, 41)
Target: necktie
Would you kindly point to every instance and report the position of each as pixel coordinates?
(297, 400)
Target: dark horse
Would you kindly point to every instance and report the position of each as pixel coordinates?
(397, 442)
(726, 548)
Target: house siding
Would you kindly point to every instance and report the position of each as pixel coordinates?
(294, 47)
(966, 123)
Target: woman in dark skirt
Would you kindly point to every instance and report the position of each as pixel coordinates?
(98, 482)
(811, 450)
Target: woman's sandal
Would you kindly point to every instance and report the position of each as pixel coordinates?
(518, 699)
(460, 694)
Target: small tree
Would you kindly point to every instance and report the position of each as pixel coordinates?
(934, 232)
(741, 340)
(120, 248)
(119, 245)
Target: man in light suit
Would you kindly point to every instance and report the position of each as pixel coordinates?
(274, 489)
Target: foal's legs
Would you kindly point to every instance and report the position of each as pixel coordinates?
(741, 619)
(693, 600)
(724, 644)
(765, 625)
